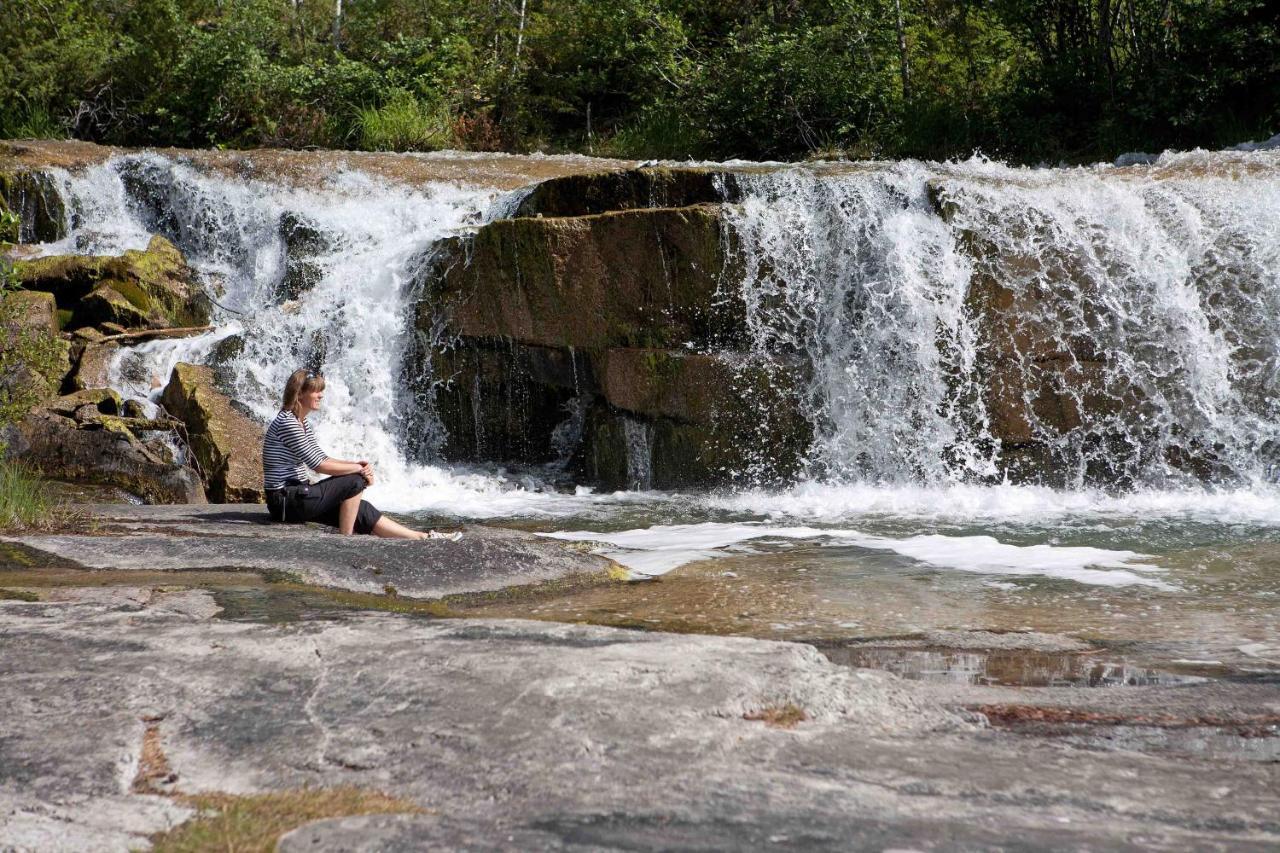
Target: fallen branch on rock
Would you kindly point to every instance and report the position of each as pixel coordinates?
(143, 335)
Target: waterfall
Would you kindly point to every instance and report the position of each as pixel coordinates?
(1134, 334)
(1118, 326)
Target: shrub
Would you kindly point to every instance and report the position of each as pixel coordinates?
(405, 123)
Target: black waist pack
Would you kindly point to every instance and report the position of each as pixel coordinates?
(293, 495)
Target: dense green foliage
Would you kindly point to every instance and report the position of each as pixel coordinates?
(1029, 80)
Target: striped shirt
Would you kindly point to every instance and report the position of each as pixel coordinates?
(288, 449)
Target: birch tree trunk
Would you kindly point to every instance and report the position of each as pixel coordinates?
(520, 33)
(904, 63)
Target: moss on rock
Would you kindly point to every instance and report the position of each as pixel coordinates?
(35, 359)
(151, 288)
(640, 278)
(59, 448)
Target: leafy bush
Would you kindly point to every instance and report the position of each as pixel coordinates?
(1028, 80)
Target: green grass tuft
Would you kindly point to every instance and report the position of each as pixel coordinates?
(33, 122)
(405, 123)
(22, 500)
(660, 134)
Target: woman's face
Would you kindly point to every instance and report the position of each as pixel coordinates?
(311, 400)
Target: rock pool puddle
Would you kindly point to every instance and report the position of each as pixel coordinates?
(1169, 598)
(1005, 667)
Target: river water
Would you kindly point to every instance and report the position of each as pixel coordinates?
(902, 523)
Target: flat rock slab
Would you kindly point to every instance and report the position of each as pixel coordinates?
(516, 735)
(240, 536)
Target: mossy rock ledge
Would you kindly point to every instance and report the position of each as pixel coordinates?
(605, 342)
(151, 288)
(31, 318)
(226, 443)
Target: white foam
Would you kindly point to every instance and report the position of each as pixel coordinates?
(661, 548)
(814, 501)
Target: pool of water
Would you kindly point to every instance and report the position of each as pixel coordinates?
(1185, 583)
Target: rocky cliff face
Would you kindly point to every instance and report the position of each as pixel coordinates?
(594, 329)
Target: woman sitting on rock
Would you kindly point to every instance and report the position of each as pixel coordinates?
(289, 448)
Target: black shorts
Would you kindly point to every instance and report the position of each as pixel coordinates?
(320, 501)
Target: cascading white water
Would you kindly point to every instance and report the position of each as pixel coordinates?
(1170, 273)
(1168, 278)
(858, 275)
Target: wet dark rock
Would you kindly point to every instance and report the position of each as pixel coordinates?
(601, 192)
(226, 443)
(303, 242)
(503, 400)
(33, 196)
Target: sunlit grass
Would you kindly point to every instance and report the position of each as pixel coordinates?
(23, 503)
(34, 122)
(405, 123)
(241, 824)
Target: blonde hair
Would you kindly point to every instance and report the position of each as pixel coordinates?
(300, 382)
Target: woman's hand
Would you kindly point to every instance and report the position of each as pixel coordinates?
(366, 471)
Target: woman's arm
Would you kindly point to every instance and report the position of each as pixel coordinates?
(338, 467)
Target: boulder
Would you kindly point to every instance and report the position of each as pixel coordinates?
(601, 192)
(103, 453)
(671, 420)
(91, 364)
(604, 342)
(226, 444)
(152, 288)
(105, 401)
(639, 278)
(29, 329)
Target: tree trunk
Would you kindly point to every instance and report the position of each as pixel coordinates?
(904, 62)
(337, 23)
(520, 34)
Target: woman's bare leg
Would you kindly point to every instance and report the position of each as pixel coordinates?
(389, 529)
(347, 512)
